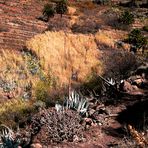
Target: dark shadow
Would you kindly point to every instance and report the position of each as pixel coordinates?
(135, 115)
(134, 4)
(116, 24)
(115, 132)
(29, 51)
(86, 28)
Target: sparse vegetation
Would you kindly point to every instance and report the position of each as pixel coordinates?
(61, 7)
(59, 126)
(126, 18)
(137, 39)
(68, 82)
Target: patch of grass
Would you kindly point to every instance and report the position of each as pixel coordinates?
(14, 111)
(65, 58)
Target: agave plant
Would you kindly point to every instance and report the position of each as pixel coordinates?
(108, 81)
(77, 102)
(111, 81)
(7, 138)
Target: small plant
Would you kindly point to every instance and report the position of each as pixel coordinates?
(145, 28)
(77, 102)
(12, 139)
(58, 126)
(48, 11)
(126, 18)
(7, 138)
(61, 7)
(41, 91)
(137, 39)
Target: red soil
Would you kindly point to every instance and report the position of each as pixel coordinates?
(18, 22)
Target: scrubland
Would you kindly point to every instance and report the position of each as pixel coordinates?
(79, 82)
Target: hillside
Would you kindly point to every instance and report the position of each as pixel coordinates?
(78, 79)
(18, 22)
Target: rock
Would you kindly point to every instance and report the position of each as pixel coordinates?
(142, 70)
(127, 87)
(36, 145)
(91, 112)
(131, 89)
(71, 10)
(138, 81)
(88, 121)
(131, 79)
(100, 106)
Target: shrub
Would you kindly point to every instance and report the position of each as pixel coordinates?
(41, 91)
(126, 18)
(61, 7)
(53, 126)
(101, 1)
(48, 11)
(137, 39)
(145, 28)
(77, 102)
(119, 64)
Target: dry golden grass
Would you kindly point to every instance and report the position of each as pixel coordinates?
(103, 38)
(65, 54)
(140, 139)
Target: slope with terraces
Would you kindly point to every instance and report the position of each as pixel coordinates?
(18, 22)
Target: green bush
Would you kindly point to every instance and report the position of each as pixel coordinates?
(145, 28)
(41, 91)
(61, 7)
(126, 18)
(137, 39)
(48, 10)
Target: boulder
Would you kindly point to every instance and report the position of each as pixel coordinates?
(130, 89)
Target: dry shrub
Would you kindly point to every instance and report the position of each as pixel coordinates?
(103, 38)
(66, 54)
(52, 126)
(119, 64)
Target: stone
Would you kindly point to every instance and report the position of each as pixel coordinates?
(36, 145)
(88, 121)
(130, 89)
(91, 112)
(71, 10)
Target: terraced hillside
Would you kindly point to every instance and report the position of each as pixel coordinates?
(18, 22)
